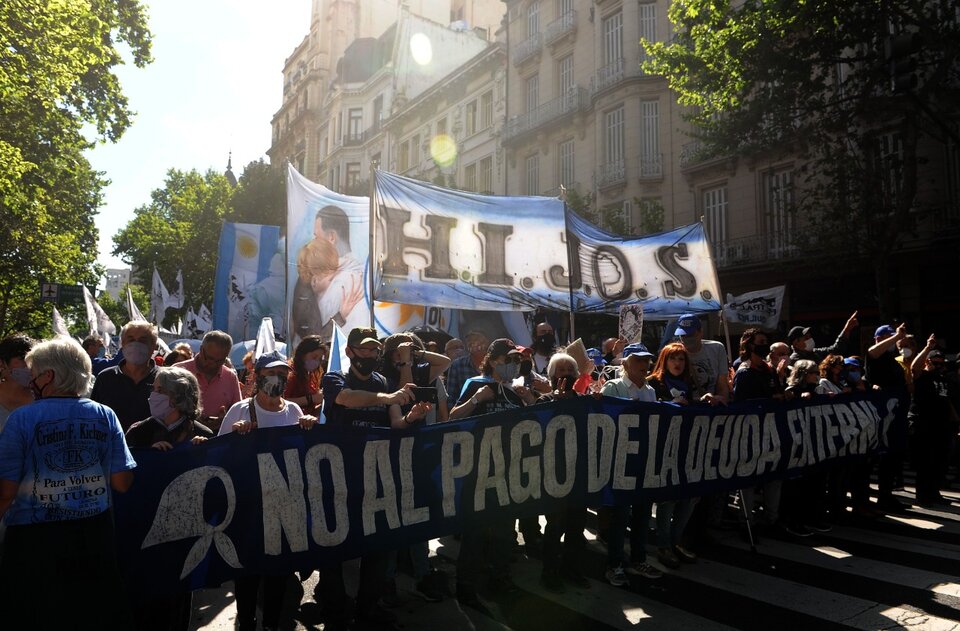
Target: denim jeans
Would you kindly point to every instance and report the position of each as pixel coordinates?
(672, 518)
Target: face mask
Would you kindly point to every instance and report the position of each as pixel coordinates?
(102, 353)
(545, 343)
(272, 385)
(159, 405)
(21, 376)
(809, 344)
(136, 353)
(761, 349)
(854, 376)
(311, 364)
(907, 353)
(364, 365)
(506, 372)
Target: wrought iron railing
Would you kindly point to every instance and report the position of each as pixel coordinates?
(575, 99)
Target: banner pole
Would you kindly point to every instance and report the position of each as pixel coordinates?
(726, 332)
(566, 228)
(373, 237)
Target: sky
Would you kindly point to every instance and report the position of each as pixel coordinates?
(215, 83)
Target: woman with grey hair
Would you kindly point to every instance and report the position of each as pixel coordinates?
(174, 410)
(60, 457)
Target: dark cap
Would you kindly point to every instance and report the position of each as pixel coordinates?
(363, 335)
(796, 333)
(271, 360)
(884, 330)
(935, 354)
(501, 347)
(687, 324)
(636, 349)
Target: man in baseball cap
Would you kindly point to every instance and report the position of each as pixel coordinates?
(708, 359)
(800, 339)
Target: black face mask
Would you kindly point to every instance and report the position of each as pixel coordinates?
(364, 365)
(761, 349)
(545, 343)
(526, 367)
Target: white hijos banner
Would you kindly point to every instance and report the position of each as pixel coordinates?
(756, 308)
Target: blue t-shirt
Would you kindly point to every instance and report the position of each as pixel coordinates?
(61, 452)
(336, 414)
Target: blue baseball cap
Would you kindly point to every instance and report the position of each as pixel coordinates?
(884, 331)
(271, 360)
(688, 324)
(636, 349)
(852, 361)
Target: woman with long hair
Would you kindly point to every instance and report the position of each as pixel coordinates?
(672, 381)
(308, 365)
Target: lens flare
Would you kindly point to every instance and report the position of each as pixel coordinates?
(443, 150)
(421, 49)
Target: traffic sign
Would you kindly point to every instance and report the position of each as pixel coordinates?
(62, 294)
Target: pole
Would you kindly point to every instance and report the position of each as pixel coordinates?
(371, 285)
(726, 331)
(566, 228)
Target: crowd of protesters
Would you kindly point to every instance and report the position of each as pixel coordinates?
(62, 454)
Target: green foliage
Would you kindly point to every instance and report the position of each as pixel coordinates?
(610, 218)
(117, 309)
(178, 230)
(651, 215)
(260, 196)
(56, 81)
(806, 82)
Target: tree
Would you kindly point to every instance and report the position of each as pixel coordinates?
(56, 82)
(117, 310)
(610, 217)
(777, 79)
(178, 230)
(261, 195)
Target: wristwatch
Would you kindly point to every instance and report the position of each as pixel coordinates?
(474, 401)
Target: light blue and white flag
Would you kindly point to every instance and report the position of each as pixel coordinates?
(328, 239)
(452, 249)
(249, 283)
(338, 360)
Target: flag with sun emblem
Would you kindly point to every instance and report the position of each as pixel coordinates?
(250, 280)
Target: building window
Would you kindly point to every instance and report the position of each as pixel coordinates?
(353, 176)
(565, 74)
(650, 163)
(403, 159)
(715, 215)
(470, 177)
(778, 209)
(612, 38)
(565, 166)
(415, 151)
(442, 126)
(888, 160)
(532, 92)
(564, 7)
(355, 122)
(648, 26)
(471, 118)
(613, 136)
(486, 175)
(533, 174)
(486, 109)
(533, 19)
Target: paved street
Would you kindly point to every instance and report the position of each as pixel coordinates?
(890, 573)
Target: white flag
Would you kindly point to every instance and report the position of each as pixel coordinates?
(59, 326)
(91, 314)
(175, 300)
(338, 357)
(102, 324)
(132, 309)
(159, 297)
(204, 319)
(756, 308)
(266, 342)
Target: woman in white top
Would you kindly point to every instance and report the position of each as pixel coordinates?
(266, 408)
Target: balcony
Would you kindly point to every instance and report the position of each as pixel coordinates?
(353, 139)
(651, 167)
(611, 174)
(372, 131)
(575, 100)
(609, 75)
(527, 49)
(691, 153)
(760, 248)
(565, 25)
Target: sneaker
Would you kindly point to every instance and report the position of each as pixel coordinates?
(639, 568)
(575, 577)
(818, 526)
(617, 577)
(797, 530)
(551, 582)
(684, 555)
(428, 589)
(668, 558)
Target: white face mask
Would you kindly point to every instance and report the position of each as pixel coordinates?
(907, 353)
(159, 405)
(809, 344)
(137, 353)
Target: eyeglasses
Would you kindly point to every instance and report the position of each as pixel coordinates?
(211, 360)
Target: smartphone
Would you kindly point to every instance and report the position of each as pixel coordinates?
(425, 394)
